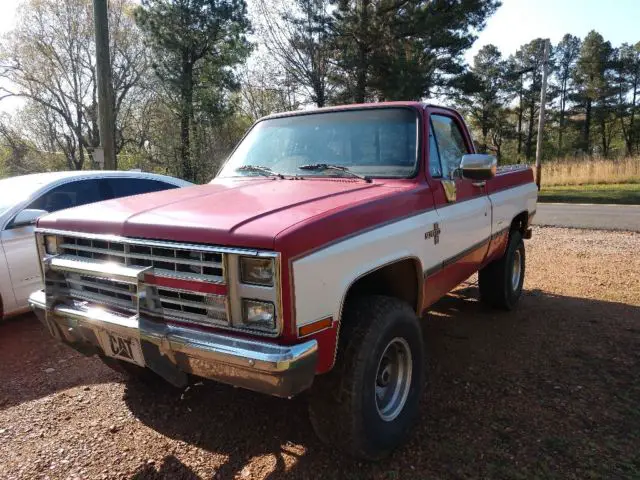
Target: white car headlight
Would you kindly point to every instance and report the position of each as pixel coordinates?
(257, 271)
(51, 244)
(258, 315)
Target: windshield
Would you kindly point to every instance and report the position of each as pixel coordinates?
(377, 142)
(16, 189)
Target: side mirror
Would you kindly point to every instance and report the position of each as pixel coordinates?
(27, 217)
(478, 166)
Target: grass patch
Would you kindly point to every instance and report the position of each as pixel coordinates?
(591, 171)
(620, 193)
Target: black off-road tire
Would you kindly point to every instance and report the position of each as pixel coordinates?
(342, 403)
(497, 288)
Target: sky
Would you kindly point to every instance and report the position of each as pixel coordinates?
(516, 22)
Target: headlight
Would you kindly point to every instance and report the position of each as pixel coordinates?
(256, 271)
(51, 244)
(258, 315)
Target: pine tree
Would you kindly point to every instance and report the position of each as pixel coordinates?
(566, 56)
(592, 75)
(529, 63)
(627, 73)
(484, 96)
(196, 45)
(403, 49)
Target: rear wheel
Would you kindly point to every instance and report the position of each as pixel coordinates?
(501, 281)
(368, 403)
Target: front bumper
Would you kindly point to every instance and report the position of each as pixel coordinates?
(175, 351)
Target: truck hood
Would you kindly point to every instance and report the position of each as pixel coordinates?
(233, 212)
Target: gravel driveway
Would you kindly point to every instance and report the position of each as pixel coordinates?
(550, 390)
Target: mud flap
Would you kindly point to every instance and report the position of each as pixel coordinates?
(161, 365)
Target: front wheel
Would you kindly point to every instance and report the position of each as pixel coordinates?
(501, 281)
(368, 403)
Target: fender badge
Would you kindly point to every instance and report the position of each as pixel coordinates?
(435, 234)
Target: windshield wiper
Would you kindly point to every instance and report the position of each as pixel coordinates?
(327, 166)
(265, 171)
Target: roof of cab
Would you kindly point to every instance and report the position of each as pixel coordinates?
(354, 106)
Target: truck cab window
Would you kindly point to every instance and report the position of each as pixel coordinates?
(450, 141)
(435, 167)
(376, 142)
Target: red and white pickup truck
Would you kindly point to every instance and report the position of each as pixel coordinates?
(306, 264)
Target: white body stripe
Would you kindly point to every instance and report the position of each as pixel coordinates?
(322, 278)
(509, 203)
(463, 225)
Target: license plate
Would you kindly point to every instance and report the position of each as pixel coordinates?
(122, 348)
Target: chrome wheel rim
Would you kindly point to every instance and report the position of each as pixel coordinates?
(393, 379)
(516, 271)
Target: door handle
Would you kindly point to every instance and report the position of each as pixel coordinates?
(479, 184)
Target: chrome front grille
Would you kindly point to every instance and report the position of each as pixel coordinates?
(154, 279)
(102, 291)
(174, 261)
(197, 307)
(178, 262)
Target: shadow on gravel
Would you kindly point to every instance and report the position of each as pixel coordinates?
(171, 467)
(34, 365)
(228, 421)
(551, 389)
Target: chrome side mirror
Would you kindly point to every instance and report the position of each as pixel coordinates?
(478, 166)
(27, 217)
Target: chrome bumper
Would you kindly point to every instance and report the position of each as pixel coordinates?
(173, 352)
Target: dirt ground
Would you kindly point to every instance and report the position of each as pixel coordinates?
(549, 390)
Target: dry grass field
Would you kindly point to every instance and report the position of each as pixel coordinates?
(591, 172)
(591, 181)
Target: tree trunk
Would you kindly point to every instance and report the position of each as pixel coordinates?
(186, 109)
(563, 100)
(361, 81)
(586, 141)
(319, 92)
(560, 132)
(605, 143)
(632, 125)
(498, 146)
(80, 161)
(529, 149)
(361, 76)
(520, 112)
(485, 133)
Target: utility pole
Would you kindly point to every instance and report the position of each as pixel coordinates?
(543, 100)
(105, 86)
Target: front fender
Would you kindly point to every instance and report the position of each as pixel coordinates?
(322, 285)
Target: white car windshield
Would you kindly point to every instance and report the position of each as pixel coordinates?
(374, 142)
(17, 189)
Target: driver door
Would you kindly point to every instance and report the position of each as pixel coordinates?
(19, 243)
(463, 207)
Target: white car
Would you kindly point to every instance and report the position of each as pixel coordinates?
(25, 198)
